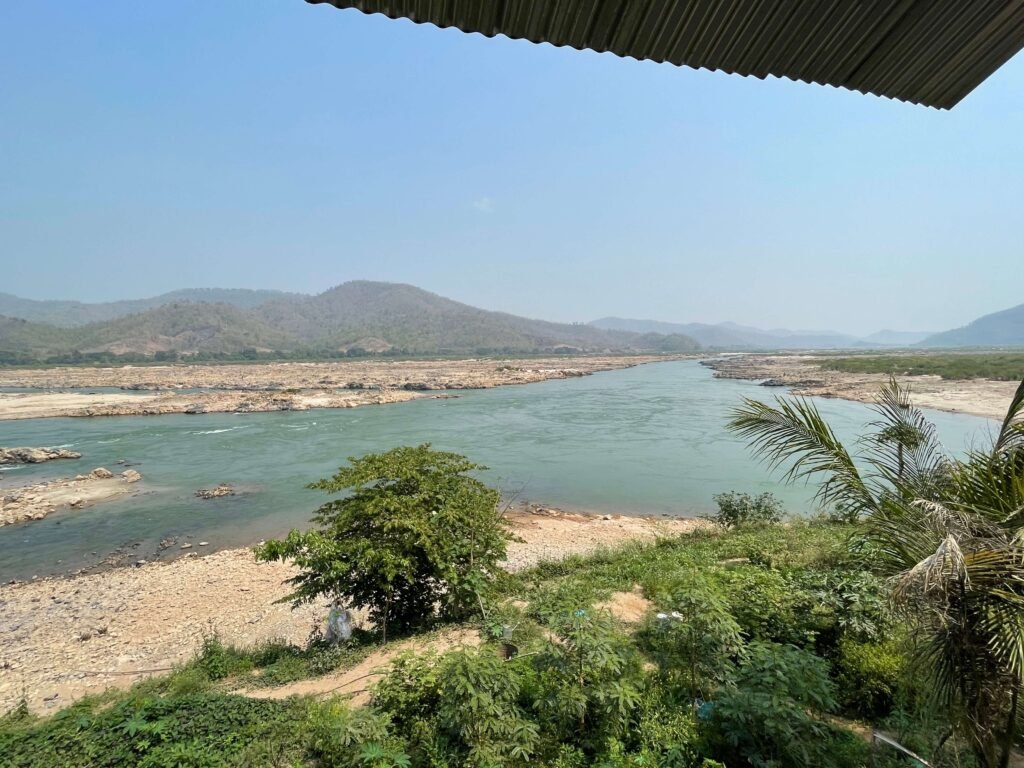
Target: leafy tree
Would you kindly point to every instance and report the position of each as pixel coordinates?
(947, 532)
(414, 533)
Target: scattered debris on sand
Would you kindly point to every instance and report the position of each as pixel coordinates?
(35, 455)
(34, 502)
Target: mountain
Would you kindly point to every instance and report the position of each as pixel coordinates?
(70, 314)
(1000, 329)
(353, 318)
(733, 336)
(887, 338)
(180, 327)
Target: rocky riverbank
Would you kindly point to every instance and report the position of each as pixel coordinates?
(34, 502)
(803, 375)
(190, 389)
(64, 638)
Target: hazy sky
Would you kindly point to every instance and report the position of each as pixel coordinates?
(147, 146)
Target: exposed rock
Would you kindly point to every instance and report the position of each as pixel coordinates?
(223, 489)
(35, 455)
(34, 502)
(131, 476)
(101, 473)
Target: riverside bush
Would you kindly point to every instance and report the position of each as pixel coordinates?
(735, 509)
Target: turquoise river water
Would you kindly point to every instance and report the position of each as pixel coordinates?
(648, 440)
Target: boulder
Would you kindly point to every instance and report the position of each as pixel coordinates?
(101, 473)
(131, 476)
(35, 455)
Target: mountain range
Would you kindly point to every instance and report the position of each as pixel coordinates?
(743, 337)
(357, 317)
(363, 317)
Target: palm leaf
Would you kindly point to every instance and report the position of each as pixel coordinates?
(1011, 433)
(795, 433)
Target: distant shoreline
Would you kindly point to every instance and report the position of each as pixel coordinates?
(803, 375)
(268, 387)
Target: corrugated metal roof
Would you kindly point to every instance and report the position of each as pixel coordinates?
(931, 52)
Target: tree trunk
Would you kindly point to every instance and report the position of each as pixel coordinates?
(1007, 737)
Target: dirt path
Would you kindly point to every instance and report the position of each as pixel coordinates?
(804, 376)
(80, 635)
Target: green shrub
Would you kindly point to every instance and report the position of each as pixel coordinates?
(736, 509)
(353, 738)
(868, 675)
(770, 716)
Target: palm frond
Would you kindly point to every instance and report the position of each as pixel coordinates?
(904, 447)
(1011, 433)
(795, 433)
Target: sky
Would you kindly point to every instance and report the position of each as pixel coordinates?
(147, 146)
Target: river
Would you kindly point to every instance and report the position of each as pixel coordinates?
(649, 440)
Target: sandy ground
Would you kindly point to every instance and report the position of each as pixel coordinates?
(804, 376)
(34, 502)
(62, 638)
(273, 386)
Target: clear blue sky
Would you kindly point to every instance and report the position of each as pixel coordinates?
(148, 146)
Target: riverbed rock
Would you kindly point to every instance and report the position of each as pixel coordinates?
(35, 455)
(215, 493)
(101, 473)
(131, 476)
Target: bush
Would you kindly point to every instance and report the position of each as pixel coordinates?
(868, 674)
(736, 509)
(771, 715)
(414, 532)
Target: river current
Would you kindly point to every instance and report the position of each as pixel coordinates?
(649, 440)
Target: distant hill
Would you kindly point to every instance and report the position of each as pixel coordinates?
(1000, 329)
(887, 338)
(733, 336)
(353, 318)
(70, 314)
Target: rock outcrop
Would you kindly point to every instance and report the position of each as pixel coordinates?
(35, 455)
(216, 492)
(34, 502)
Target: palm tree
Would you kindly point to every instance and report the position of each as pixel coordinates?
(948, 532)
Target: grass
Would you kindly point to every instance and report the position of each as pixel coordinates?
(999, 366)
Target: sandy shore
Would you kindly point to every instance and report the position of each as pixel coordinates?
(34, 502)
(273, 387)
(81, 635)
(804, 375)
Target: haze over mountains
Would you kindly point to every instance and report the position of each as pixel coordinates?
(358, 317)
(363, 317)
(742, 337)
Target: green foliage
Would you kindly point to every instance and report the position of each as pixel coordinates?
(946, 531)
(1001, 366)
(868, 677)
(153, 732)
(343, 737)
(414, 531)
(735, 509)
(694, 637)
(770, 716)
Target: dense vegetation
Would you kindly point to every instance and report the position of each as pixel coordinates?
(354, 318)
(785, 639)
(945, 531)
(1001, 366)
